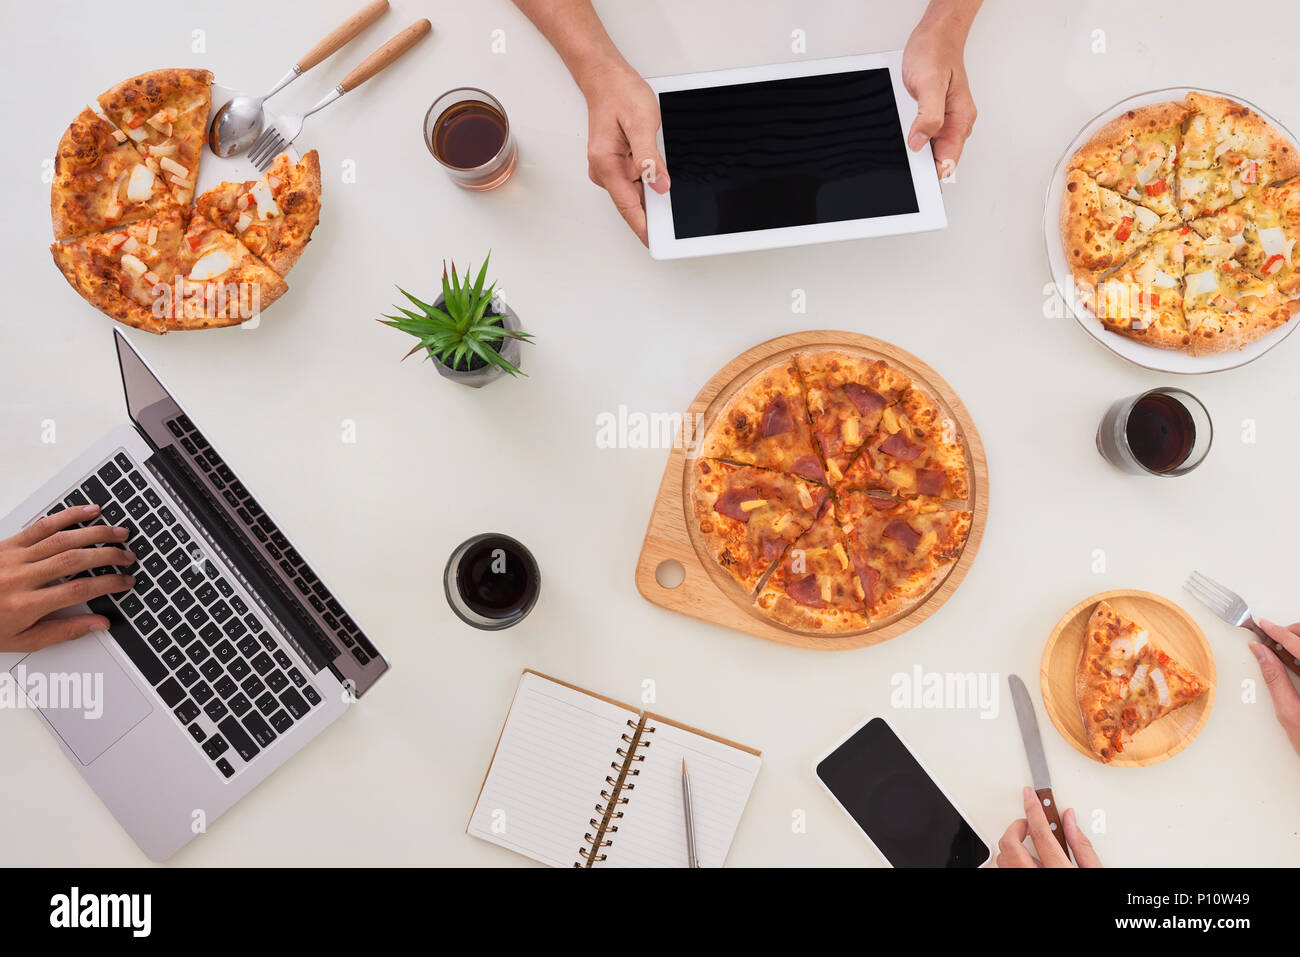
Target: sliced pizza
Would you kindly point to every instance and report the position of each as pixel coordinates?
(127, 273)
(1143, 298)
(1125, 682)
(1229, 150)
(1225, 304)
(1263, 229)
(815, 586)
(846, 396)
(1135, 155)
(748, 516)
(1100, 228)
(273, 216)
(100, 180)
(914, 452)
(220, 283)
(165, 114)
(765, 424)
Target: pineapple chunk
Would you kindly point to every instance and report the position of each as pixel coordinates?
(824, 585)
(833, 472)
(857, 589)
(838, 550)
(852, 434)
(752, 504)
(805, 499)
(901, 477)
(782, 521)
(927, 542)
(889, 419)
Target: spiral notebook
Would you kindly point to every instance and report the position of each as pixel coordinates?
(580, 780)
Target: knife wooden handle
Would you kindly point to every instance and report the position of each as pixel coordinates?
(1048, 803)
(341, 34)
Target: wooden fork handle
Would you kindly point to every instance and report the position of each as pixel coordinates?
(1047, 801)
(343, 33)
(1289, 660)
(385, 55)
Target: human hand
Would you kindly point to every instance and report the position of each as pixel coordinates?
(50, 549)
(1013, 853)
(622, 152)
(935, 74)
(1286, 701)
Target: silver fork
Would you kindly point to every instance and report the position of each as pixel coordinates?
(279, 134)
(1233, 609)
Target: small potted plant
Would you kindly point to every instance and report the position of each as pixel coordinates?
(473, 335)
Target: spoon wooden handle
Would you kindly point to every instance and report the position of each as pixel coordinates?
(341, 34)
(385, 55)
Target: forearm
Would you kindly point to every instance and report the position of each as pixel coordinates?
(575, 31)
(952, 18)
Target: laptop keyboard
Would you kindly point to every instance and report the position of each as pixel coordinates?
(210, 658)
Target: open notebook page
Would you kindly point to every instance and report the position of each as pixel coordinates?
(550, 766)
(652, 832)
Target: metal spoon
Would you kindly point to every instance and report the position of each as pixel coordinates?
(238, 122)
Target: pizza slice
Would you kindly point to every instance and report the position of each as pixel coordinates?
(127, 273)
(165, 114)
(273, 216)
(1124, 682)
(1229, 150)
(747, 516)
(1135, 155)
(765, 424)
(1143, 298)
(1100, 228)
(100, 180)
(846, 395)
(815, 586)
(1262, 228)
(914, 452)
(219, 282)
(1226, 305)
(900, 551)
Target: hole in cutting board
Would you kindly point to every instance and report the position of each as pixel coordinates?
(670, 573)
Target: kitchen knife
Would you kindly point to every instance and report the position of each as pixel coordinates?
(1028, 722)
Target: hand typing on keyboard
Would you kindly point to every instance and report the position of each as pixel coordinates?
(32, 564)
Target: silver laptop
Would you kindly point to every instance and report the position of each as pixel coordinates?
(228, 655)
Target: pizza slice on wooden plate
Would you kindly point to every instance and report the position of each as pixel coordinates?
(1125, 682)
(748, 516)
(901, 552)
(127, 273)
(1135, 155)
(1226, 305)
(914, 452)
(1143, 298)
(273, 216)
(101, 180)
(815, 586)
(1263, 229)
(765, 424)
(1100, 228)
(846, 396)
(1229, 150)
(221, 283)
(165, 114)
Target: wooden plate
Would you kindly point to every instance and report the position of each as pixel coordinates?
(1173, 630)
(705, 590)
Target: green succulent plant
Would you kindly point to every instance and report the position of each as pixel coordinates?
(462, 328)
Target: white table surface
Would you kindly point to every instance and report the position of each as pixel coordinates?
(434, 463)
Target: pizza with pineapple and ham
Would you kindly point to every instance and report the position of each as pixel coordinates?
(815, 586)
(846, 396)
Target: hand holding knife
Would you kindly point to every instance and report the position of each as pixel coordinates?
(1042, 780)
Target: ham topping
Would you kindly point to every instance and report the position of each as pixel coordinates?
(806, 591)
(930, 481)
(729, 503)
(777, 418)
(904, 534)
(898, 446)
(809, 467)
(867, 400)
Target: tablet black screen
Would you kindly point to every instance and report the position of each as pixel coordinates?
(811, 149)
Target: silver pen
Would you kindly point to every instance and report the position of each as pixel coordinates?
(692, 858)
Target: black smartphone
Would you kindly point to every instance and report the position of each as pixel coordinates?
(905, 815)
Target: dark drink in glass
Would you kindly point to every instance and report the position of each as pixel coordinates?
(467, 131)
(492, 581)
(1160, 432)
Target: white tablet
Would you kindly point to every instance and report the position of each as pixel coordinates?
(784, 155)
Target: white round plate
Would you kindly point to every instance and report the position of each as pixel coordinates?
(213, 169)
(1149, 357)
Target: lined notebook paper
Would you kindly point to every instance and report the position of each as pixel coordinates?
(581, 780)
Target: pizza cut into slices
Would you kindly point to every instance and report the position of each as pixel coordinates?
(815, 586)
(748, 516)
(914, 452)
(273, 216)
(1125, 682)
(1225, 304)
(100, 180)
(1143, 298)
(1100, 228)
(1136, 153)
(127, 273)
(765, 424)
(1229, 150)
(846, 396)
(1263, 229)
(165, 114)
(900, 551)
(219, 282)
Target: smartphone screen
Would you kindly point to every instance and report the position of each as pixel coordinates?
(896, 804)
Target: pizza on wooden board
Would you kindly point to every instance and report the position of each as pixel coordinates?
(1125, 682)
(914, 452)
(1207, 162)
(815, 586)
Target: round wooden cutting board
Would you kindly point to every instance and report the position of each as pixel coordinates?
(1170, 628)
(676, 572)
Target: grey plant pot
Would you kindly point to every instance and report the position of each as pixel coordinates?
(510, 351)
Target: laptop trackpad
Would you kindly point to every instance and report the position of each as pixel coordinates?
(83, 693)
